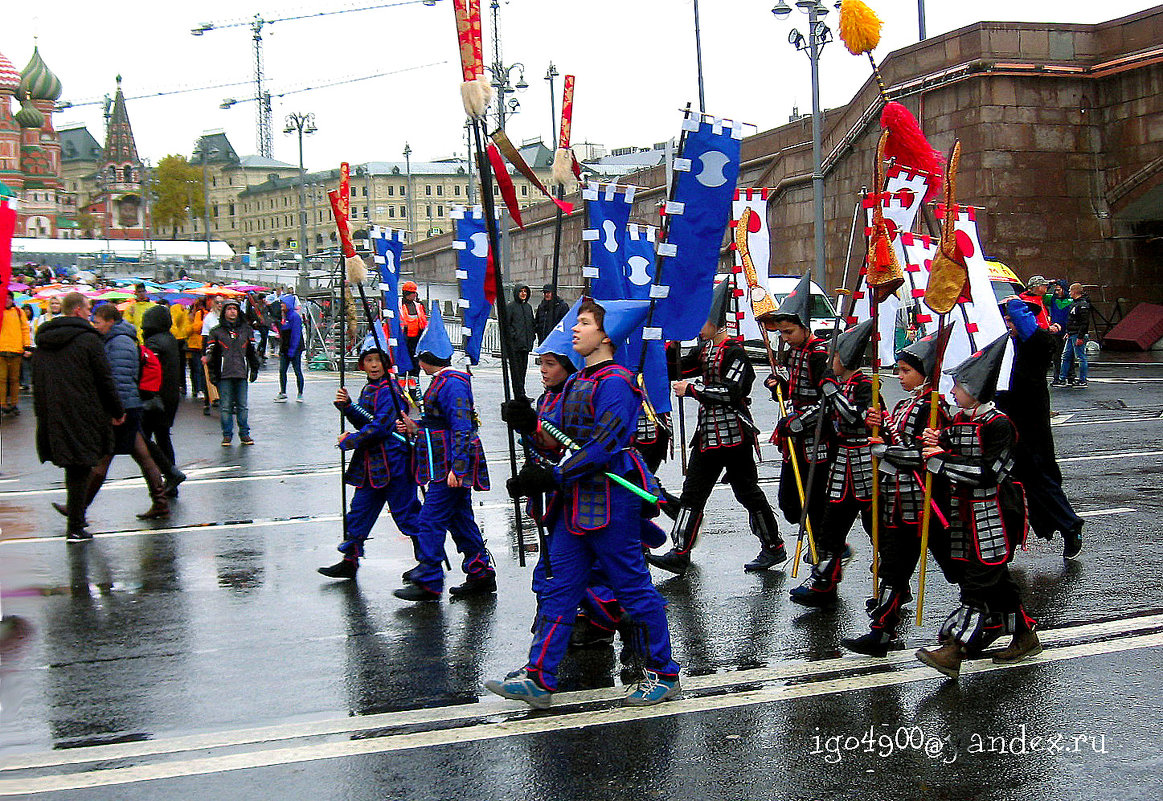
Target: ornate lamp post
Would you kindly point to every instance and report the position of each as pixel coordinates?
(304, 125)
(818, 35)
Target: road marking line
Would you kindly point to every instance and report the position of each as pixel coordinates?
(1101, 456)
(1107, 420)
(539, 724)
(213, 525)
(491, 706)
(1118, 510)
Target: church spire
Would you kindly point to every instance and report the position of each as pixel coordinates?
(119, 145)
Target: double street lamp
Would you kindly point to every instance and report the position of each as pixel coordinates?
(502, 75)
(818, 35)
(304, 125)
(205, 152)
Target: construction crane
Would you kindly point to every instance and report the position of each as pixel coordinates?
(262, 98)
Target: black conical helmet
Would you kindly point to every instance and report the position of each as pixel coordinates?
(851, 345)
(797, 306)
(979, 373)
(922, 354)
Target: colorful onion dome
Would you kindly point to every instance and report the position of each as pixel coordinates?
(29, 115)
(9, 77)
(37, 81)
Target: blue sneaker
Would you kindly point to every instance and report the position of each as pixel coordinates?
(519, 686)
(652, 689)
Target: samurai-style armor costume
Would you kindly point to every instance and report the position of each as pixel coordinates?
(595, 522)
(902, 498)
(448, 442)
(724, 440)
(988, 517)
(807, 368)
(652, 438)
(380, 468)
(849, 484)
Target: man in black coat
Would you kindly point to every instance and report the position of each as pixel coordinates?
(549, 312)
(160, 408)
(75, 401)
(521, 332)
(1027, 404)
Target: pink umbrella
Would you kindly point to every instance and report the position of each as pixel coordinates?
(248, 287)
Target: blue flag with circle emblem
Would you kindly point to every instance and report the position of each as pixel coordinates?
(638, 276)
(388, 246)
(472, 263)
(705, 176)
(607, 213)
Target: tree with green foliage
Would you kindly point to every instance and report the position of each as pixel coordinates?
(178, 193)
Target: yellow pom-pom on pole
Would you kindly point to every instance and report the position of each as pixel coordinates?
(859, 27)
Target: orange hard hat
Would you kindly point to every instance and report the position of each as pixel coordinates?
(409, 286)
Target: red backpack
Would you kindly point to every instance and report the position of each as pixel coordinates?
(151, 371)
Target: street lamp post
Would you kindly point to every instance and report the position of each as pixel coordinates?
(550, 74)
(818, 35)
(921, 18)
(205, 153)
(411, 206)
(502, 74)
(303, 124)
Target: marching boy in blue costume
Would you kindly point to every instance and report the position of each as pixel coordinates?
(593, 520)
(451, 462)
(379, 467)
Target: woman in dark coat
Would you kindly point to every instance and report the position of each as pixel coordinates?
(75, 402)
(158, 417)
(1027, 404)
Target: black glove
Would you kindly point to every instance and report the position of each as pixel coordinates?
(532, 480)
(520, 415)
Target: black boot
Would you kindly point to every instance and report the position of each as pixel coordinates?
(771, 550)
(886, 616)
(874, 643)
(173, 479)
(475, 585)
(343, 569)
(820, 587)
(683, 535)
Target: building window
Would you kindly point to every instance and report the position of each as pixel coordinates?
(524, 190)
(231, 209)
(403, 191)
(391, 190)
(214, 181)
(440, 211)
(391, 211)
(363, 190)
(429, 211)
(427, 189)
(440, 190)
(352, 190)
(456, 190)
(404, 211)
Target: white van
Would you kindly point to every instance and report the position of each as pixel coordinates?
(823, 313)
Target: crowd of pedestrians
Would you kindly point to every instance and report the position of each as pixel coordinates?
(1066, 313)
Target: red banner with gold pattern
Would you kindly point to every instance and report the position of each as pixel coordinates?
(468, 34)
(566, 113)
(345, 189)
(341, 222)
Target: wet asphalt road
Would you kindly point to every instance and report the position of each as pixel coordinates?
(203, 657)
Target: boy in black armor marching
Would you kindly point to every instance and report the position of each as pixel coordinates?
(848, 399)
(725, 439)
(975, 453)
(801, 385)
(902, 496)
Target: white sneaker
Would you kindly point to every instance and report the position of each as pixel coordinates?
(281, 397)
(300, 398)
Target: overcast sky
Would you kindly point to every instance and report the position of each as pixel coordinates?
(634, 61)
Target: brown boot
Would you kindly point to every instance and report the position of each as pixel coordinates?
(946, 659)
(159, 509)
(1025, 643)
